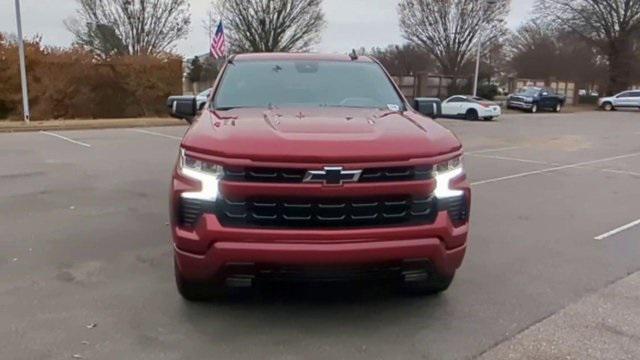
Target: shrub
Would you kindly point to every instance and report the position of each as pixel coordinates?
(71, 83)
(488, 91)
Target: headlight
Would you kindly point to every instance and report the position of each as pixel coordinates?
(208, 174)
(444, 173)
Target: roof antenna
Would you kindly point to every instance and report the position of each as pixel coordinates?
(353, 55)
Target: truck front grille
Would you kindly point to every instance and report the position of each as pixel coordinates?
(324, 213)
(273, 175)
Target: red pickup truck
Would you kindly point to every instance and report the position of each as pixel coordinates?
(306, 167)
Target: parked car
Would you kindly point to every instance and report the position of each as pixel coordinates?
(625, 99)
(333, 176)
(202, 98)
(583, 92)
(534, 99)
(470, 108)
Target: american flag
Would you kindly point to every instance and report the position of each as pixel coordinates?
(217, 43)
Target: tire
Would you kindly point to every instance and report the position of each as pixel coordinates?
(471, 115)
(189, 290)
(558, 108)
(534, 109)
(431, 286)
(607, 106)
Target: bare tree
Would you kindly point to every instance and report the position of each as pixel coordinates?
(539, 50)
(449, 29)
(403, 59)
(610, 25)
(271, 25)
(132, 27)
(533, 50)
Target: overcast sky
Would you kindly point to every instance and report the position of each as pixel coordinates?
(350, 23)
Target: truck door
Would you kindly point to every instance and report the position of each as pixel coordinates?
(548, 98)
(635, 98)
(623, 100)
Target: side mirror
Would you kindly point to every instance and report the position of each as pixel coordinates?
(431, 107)
(183, 107)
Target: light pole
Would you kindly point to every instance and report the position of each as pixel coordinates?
(23, 67)
(480, 31)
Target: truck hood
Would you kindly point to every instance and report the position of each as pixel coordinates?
(326, 135)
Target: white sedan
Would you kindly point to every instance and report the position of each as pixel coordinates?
(470, 108)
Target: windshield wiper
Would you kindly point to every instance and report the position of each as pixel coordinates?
(226, 108)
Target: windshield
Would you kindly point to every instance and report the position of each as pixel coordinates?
(306, 84)
(528, 91)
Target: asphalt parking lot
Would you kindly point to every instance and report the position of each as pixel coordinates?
(86, 269)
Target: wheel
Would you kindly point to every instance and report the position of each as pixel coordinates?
(471, 114)
(534, 108)
(607, 106)
(558, 108)
(189, 290)
(435, 284)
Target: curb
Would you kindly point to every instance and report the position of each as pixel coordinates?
(88, 125)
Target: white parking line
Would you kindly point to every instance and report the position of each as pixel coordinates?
(65, 138)
(618, 230)
(512, 159)
(619, 172)
(493, 150)
(156, 134)
(555, 168)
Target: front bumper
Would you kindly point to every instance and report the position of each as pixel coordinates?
(492, 112)
(519, 105)
(441, 243)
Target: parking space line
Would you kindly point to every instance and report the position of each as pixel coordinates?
(555, 168)
(512, 159)
(65, 138)
(508, 158)
(492, 150)
(618, 230)
(625, 172)
(156, 134)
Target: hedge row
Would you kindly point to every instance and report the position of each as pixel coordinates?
(70, 83)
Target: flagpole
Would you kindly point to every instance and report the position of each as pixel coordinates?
(23, 67)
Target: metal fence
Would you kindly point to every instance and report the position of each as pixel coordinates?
(431, 85)
(440, 86)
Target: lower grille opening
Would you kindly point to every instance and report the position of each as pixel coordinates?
(192, 209)
(329, 273)
(457, 207)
